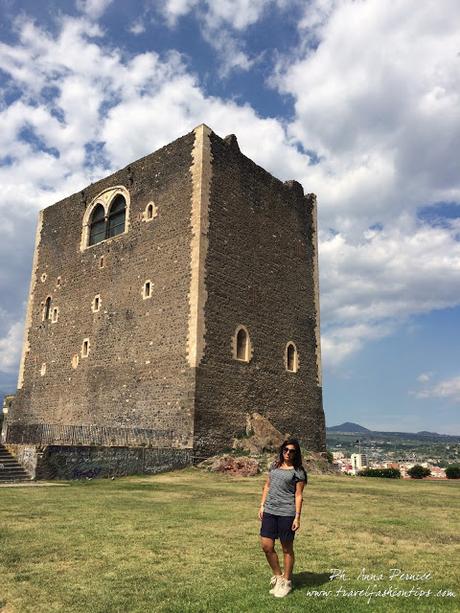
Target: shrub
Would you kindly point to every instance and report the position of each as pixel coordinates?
(453, 471)
(418, 472)
(388, 473)
(330, 457)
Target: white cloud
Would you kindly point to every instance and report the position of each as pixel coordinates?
(389, 274)
(238, 14)
(230, 51)
(378, 100)
(317, 13)
(448, 389)
(386, 127)
(424, 377)
(10, 347)
(173, 10)
(137, 27)
(384, 278)
(222, 23)
(340, 342)
(93, 8)
(81, 93)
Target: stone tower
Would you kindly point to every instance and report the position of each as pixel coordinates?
(167, 301)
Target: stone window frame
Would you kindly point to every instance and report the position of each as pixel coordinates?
(54, 314)
(151, 206)
(249, 350)
(85, 345)
(46, 312)
(296, 357)
(105, 198)
(96, 303)
(148, 295)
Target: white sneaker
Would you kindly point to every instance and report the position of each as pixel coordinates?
(282, 588)
(275, 580)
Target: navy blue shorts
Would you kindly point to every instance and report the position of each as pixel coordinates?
(277, 526)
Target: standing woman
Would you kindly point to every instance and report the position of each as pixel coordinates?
(279, 512)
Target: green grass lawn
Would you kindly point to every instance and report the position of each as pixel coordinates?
(187, 541)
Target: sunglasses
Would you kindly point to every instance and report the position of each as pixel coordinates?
(287, 450)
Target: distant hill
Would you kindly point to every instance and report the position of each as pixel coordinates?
(427, 433)
(353, 429)
(348, 426)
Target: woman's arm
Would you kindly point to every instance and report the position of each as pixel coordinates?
(298, 504)
(264, 497)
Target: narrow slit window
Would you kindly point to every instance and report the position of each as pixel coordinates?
(96, 304)
(242, 345)
(150, 212)
(147, 290)
(85, 348)
(291, 358)
(101, 262)
(47, 309)
(54, 315)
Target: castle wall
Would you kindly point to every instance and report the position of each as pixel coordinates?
(87, 462)
(259, 272)
(229, 245)
(68, 462)
(136, 374)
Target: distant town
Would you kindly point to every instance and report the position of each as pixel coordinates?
(355, 448)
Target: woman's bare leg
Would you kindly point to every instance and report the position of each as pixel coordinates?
(268, 546)
(288, 551)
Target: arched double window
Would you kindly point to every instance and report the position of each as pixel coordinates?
(104, 226)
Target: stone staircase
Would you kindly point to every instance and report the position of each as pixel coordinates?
(10, 469)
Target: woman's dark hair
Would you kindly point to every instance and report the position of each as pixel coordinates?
(297, 459)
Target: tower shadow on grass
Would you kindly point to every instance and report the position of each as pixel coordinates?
(307, 579)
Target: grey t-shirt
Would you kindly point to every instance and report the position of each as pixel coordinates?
(281, 494)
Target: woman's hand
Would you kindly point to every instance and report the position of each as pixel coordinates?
(296, 524)
(261, 512)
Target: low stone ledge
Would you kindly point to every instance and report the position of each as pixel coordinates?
(72, 462)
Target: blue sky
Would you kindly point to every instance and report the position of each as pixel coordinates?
(359, 101)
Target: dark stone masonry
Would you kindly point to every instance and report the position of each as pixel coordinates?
(167, 302)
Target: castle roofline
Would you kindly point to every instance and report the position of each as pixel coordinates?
(202, 125)
(230, 140)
